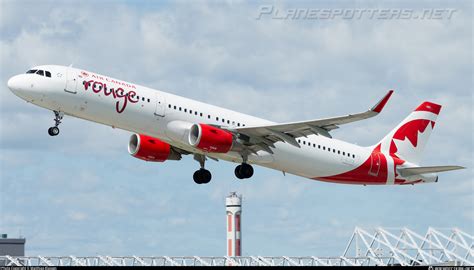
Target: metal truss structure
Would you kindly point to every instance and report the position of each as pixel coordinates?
(383, 246)
(402, 246)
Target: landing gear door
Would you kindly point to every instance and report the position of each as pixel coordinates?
(160, 105)
(71, 82)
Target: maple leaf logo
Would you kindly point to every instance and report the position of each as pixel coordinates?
(410, 142)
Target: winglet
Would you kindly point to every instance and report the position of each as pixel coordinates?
(379, 106)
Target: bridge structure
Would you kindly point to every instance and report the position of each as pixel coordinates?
(380, 246)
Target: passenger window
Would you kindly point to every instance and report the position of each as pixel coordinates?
(353, 156)
(208, 116)
(143, 98)
(148, 100)
(329, 149)
(217, 118)
(304, 142)
(238, 124)
(40, 72)
(324, 147)
(200, 114)
(169, 105)
(179, 108)
(223, 120)
(299, 141)
(174, 107)
(314, 145)
(196, 113)
(338, 152)
(228, 121)
(185, 110)
(343, 153)
(319, 146)
(191, 111)
(334, 150)
(48, 74)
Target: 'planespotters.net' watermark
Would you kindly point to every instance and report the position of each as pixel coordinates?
(269, 11)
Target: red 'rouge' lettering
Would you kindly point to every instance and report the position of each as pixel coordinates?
(108, 92)
(120, 94)
(97, 87)
(86, 84)
(132, 95)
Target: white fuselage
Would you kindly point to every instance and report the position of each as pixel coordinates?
(104, 100)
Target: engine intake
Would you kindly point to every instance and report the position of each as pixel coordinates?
(151, 149)
(210, 139)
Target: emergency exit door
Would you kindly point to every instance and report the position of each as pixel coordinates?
(160, 105)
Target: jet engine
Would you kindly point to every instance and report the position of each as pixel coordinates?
(151, 149)
(210, 139)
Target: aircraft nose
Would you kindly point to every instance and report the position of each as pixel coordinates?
(14, 83)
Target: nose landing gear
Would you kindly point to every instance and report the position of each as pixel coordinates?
(54, 131)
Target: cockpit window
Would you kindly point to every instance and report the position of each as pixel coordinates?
(39, 72)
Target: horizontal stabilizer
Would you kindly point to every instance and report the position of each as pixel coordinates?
(432, 169)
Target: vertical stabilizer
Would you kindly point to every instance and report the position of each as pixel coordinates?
(407, 141)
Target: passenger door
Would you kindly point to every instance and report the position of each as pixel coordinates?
(374, 164)
(71, 81)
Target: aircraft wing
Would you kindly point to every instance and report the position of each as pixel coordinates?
(266, 136)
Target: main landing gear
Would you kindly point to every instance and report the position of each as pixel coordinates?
(243, 171)
(201, 176)
(58, 116)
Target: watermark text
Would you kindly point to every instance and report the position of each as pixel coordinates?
(272, 12)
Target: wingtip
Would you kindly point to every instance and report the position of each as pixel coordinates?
(381, 104)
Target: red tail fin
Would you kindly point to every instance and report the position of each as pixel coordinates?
(407, 141)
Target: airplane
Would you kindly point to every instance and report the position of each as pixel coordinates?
(167, 126)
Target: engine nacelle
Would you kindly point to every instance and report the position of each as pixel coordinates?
(210, 139)
(151, 149)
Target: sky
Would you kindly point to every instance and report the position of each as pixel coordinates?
(81, 193)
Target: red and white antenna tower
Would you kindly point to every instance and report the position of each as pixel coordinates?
(234, 234)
